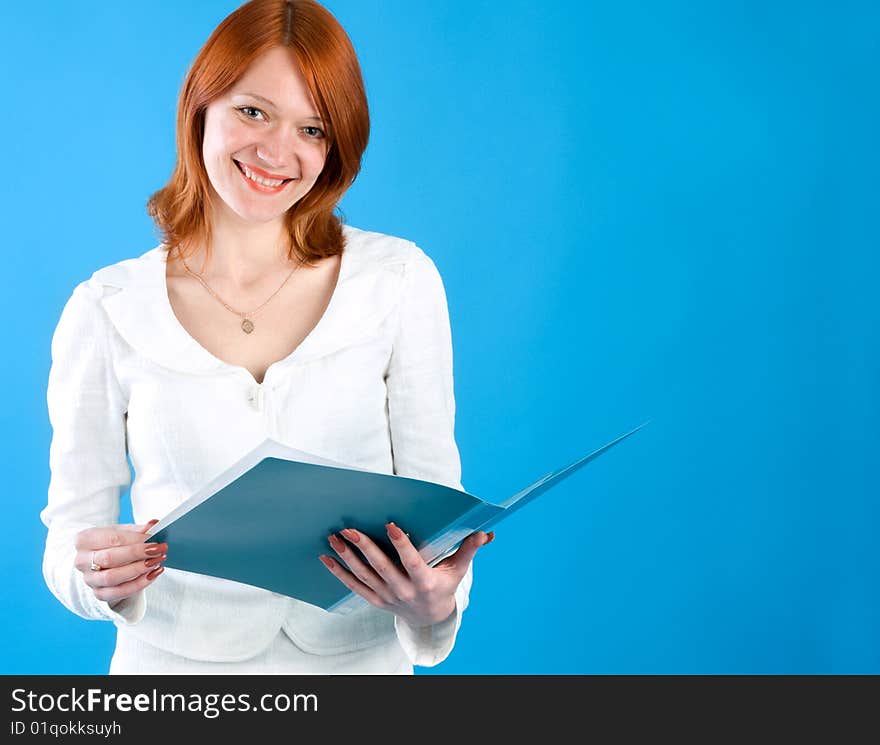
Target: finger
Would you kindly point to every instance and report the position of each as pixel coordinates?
(461, 559)
(352, 582)
(399, 583)
(110, 558)
(121, 575)
(413, 563)
(360, 570)
(140, 527)
(109, 536)
(127, 589)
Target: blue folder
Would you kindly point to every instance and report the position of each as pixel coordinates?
(265, 520)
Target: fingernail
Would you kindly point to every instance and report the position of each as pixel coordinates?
(326, 561)
(336, 543)
(393, 531)
(490, 536)
(156, 549)
(155, 573)
(350, 534)
(154, 562)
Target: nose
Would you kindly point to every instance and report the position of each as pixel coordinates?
(277, 149)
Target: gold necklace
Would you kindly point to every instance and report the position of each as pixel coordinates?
(247, 325)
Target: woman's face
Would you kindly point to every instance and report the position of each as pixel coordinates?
(284, 139)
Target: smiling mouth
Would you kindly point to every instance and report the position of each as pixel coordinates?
(283, 183)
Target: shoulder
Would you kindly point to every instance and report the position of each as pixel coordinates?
(84, 307)
(370, 249)
(127, 272)
(413, 269)
(398, 272)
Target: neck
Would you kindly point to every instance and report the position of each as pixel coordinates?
(242, 253)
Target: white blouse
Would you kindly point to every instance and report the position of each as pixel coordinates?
(371, 386)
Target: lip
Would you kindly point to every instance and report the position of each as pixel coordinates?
(262, 173)
(260, 187)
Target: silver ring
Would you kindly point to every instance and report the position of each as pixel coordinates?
(95, 567)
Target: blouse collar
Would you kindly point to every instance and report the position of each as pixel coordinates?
(136, 301)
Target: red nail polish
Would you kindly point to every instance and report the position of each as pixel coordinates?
(350, 534)
(393, 531)
(490, 536)
(326, 561)
(337, 544)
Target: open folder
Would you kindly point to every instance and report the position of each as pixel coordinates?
(265, 520)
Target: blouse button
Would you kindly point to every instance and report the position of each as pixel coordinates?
(255, 397)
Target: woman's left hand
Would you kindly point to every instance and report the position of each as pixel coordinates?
(420, 594)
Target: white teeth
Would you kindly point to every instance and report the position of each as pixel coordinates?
(253, 177)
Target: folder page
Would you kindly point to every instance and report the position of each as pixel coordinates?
(265, 520)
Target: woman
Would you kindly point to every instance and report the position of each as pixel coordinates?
(259, 315)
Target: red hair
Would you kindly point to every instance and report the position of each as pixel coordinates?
(321, 48)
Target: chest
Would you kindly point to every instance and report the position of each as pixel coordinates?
(278, 327)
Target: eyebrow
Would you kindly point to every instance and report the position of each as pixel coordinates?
(272, 104)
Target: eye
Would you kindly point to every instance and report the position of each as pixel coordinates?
(245, 109)
(318, 130)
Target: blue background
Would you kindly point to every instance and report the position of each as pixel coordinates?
(640, 210)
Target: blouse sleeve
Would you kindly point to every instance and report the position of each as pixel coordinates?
(87, 455)
(421, 409)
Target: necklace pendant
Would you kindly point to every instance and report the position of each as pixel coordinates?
(247, 325)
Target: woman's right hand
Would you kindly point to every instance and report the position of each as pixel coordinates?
(127, 564)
